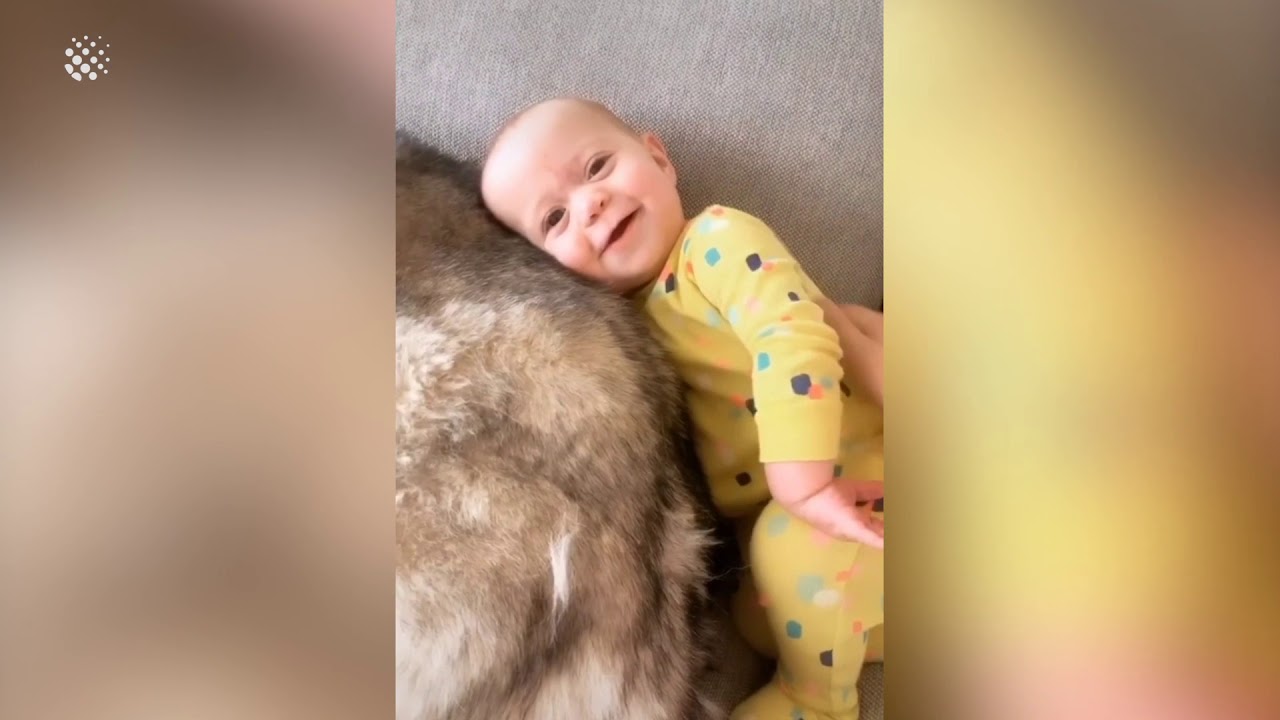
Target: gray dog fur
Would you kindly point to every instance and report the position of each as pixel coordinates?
(553, 541)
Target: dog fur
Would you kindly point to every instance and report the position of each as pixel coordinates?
(553, 545)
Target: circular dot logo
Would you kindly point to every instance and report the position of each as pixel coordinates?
(87, 58)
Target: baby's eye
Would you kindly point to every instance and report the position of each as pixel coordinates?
(552, 219)
(597, 164)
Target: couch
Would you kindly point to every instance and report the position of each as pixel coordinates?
(772, 107)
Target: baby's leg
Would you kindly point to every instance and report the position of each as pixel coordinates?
(861, 333)
(748, 613)
(822, 599)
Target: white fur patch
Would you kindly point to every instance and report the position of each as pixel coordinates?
(423, 353)
(711, 708)
(473, 507)
(426, 352)
(560, 578)
(424, 662)
(404, 495)
(589, 688)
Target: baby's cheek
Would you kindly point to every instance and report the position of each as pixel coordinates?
(575, 257)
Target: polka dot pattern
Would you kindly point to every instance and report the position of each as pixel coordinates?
(808, 586)
(827, 598)
(82, 62)
(801, 384)
(777, 525)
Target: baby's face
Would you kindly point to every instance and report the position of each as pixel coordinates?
(599, 199)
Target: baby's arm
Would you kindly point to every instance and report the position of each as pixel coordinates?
(742, 269)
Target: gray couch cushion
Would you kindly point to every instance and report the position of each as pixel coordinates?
(772, 107)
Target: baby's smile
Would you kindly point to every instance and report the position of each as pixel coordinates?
(621, 228)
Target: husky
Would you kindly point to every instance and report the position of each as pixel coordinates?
(554, 543)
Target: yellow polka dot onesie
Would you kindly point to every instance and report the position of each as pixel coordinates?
(738, 316)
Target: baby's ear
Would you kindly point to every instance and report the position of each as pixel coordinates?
(658, 152)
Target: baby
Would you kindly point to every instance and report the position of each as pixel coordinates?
(794, 456)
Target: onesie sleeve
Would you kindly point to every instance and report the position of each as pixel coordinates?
(742, 268)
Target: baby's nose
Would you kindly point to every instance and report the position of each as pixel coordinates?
(593, 203)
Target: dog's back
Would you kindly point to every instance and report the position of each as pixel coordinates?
(552, 556)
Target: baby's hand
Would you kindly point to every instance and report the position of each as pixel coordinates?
(840, 507)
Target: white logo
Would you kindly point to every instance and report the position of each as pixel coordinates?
(87, 58)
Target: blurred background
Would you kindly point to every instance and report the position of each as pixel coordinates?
(1082, 258)
(1083, 271)
(196, 305)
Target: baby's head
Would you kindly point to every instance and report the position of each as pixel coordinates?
(576, 181)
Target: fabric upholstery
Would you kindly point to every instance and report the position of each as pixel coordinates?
(772, 107)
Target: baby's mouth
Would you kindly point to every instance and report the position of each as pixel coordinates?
(620, 228)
